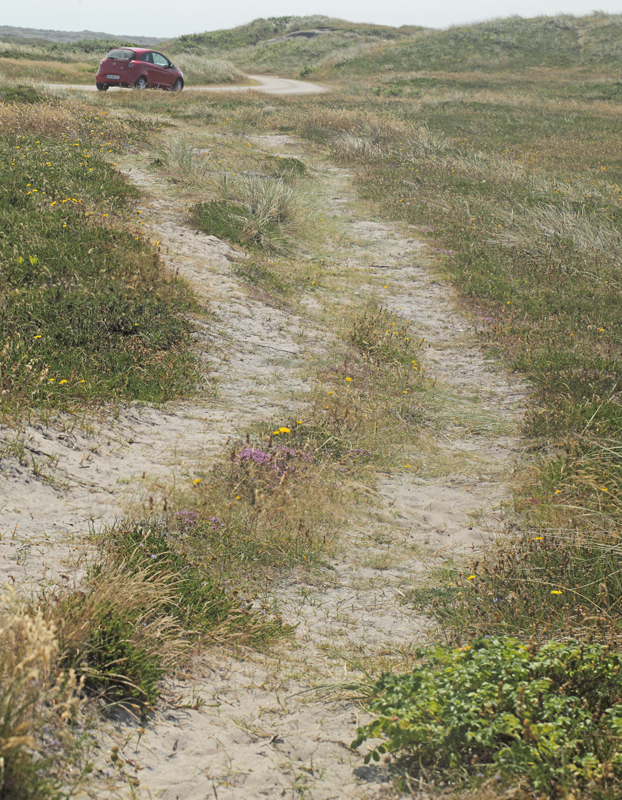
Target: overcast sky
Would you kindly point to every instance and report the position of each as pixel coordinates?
(169, 18)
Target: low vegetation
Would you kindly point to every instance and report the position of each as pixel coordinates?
(493, 142)
(38, 701)
(256, 211)
(143, 608)
(87, 312)
(548, 716)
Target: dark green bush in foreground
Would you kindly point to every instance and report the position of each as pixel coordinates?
(549, 716)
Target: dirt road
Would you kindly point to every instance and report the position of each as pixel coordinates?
(268, 84)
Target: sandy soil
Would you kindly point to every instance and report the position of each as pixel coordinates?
(268, 84)
(254, 725)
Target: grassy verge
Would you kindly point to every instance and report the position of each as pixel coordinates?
(87, 312)
(144, 607)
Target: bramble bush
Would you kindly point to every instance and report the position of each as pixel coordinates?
(548, 715)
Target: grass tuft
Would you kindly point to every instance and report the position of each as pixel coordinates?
(37, 703)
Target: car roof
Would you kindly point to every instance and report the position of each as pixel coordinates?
(135, 49)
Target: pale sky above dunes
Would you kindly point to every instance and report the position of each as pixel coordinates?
(166, 19)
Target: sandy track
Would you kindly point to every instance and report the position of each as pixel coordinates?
(261, 731)
(269, 84)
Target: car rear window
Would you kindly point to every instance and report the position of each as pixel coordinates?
(121, 55)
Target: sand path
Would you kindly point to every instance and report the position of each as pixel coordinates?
(250, 727)
(268, 84)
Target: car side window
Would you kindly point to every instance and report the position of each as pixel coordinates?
(160, 60)
(148, 57)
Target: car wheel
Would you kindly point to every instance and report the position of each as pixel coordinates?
(141, 83)
(178, 85)
(102, 87)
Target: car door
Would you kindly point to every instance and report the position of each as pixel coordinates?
(148, 69)
(162, 71)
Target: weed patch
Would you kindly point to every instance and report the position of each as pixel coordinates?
(144, 607)
(254, 514)
(540, 584)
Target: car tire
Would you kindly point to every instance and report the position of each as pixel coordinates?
(178, 85)
(102, 87)
(141, 83)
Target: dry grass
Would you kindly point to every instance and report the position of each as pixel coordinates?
(275, 211)
(50, 71)
(37, 701)
(61, 118)
(199, 70)
(116, 631)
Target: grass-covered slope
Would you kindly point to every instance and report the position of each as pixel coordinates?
(562, 41)
(262, 30)
(339, 49)
(288, 45)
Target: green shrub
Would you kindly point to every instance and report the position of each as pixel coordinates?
(549, 716)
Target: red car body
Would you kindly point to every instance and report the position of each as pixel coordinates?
(138, 67)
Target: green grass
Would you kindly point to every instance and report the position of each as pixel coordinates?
(274, 288)
(514, 43)
(222, 219)
(539, 584)
(87, 312)
(257, 211)
(145, 606)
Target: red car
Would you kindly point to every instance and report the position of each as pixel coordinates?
(138, 67)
